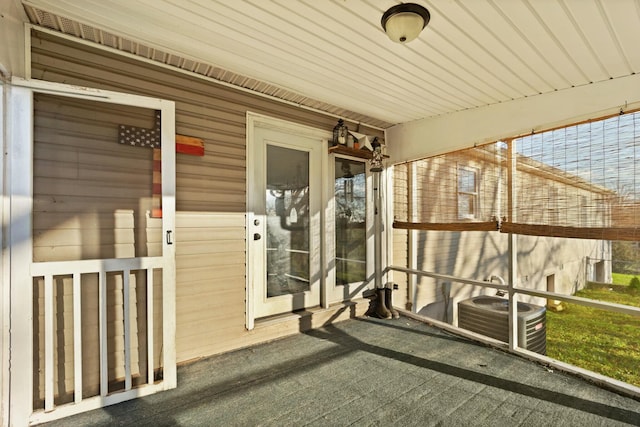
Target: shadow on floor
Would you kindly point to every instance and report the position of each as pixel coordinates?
(370, 372)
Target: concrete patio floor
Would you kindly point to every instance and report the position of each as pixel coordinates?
(371, 372)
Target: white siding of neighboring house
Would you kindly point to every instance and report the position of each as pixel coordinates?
(479, 255)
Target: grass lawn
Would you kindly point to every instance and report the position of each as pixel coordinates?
(622, 279)
(600, 341)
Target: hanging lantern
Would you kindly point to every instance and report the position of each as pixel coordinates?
(377, 156)
(340, 133)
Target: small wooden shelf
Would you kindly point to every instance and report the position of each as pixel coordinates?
(342, 149)
(361, 153)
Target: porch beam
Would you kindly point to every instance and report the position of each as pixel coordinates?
(474, 126)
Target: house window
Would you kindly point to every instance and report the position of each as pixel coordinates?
(467, 192)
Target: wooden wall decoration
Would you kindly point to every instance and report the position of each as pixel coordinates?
(189, 145)
(150, 138)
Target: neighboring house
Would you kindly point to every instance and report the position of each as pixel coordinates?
(457, 196)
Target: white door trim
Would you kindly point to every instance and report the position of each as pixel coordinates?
(254, 121)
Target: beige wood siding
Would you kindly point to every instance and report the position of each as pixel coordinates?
(210, 199)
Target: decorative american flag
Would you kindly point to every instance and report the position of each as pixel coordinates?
(141, 137)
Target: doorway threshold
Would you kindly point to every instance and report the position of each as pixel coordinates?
(315, 317)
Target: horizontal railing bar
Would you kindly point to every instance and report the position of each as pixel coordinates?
(58, 268)
(609, 306)
(447, 277)
(95, 402)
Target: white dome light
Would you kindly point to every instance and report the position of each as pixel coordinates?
(405, 21)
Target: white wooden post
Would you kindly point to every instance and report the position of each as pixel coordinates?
(49, 355)
(168, 142)
(150, 341)
(102, 333)
(77, 338)
(5, 270)
(412, 236)
(20, 185)
(513, 248)
(327, 215)
(126, 307)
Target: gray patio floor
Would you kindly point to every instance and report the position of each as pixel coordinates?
(371, 372)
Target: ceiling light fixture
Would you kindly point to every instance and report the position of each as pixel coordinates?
(404, 22)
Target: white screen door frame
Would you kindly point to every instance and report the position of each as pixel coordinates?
(264, 131)
(23, 269)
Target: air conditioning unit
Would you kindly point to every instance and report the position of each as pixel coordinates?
(489, 315)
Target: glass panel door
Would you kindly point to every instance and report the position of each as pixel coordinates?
(288, 232)
(353, 233)
(351, 221)
(285, 194)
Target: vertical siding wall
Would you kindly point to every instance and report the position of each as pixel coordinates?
(210, 199)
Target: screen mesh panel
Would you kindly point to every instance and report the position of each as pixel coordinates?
(579, 181)
(462, 190)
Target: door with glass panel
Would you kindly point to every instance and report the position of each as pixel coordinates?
(352, 236)
(285, 198)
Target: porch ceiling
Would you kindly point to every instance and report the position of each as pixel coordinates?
(333, 55)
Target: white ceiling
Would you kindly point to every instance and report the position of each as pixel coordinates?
(333, 55)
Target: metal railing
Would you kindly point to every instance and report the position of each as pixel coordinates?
(512, 344)
(609, 306)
